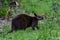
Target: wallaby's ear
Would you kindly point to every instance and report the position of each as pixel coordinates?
(35, 14)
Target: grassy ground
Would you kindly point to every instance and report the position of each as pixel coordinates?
(47, 31)
(49, 28)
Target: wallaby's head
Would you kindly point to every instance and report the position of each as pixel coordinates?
(38, 17)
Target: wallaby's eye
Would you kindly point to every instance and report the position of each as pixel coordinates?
(40, 17)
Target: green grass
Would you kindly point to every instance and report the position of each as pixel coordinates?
(49, 29)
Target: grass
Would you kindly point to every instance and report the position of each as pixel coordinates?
(47, 31)
(49, 28)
